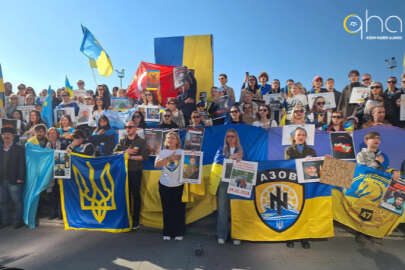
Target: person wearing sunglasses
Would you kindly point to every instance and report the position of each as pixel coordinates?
(366, 79)
(137, 152)
(231, 149)
(318, 113)
(196, 120)
(103, 137)
(298, 116)
(177, 115)
(235, 116)
(336, 122)
(252, 87)
(317, 84)
(393, 99)
(263, 118)
(67, 102)
(297, 99)
(167, 120)
(376, 97)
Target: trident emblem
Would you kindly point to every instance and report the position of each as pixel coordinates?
(99, 201)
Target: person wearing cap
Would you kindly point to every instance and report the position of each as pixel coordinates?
(39, 137)
(79, 144)
(12, 177)
(317, 84)
(137, 152)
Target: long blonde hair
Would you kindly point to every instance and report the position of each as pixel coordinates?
(227, 148)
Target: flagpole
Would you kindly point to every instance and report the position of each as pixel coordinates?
(94, 76)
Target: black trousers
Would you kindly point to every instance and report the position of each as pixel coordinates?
(174, 211)
(134, 178)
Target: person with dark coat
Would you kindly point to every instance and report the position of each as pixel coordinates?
(12, 178)
(137, 152)
(344, 104)
(186, 97)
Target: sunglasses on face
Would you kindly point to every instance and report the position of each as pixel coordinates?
(299, 111)
(391, 81)
(375, 87)
(262, 110)
(321, 103)
(234, 111)
(196, 117)
(167, 116)
(366, 79)
(129, 127)
(171, 103)
(337, 117)
(65, 95)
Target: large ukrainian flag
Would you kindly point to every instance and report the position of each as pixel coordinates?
(96, 54)
(195, 52)
(200, 199)
(96, 196)
(280, 208)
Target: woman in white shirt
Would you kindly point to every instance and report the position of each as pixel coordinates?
(170, 188)
(263, 117)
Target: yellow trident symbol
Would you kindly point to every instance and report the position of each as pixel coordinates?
(99, 207)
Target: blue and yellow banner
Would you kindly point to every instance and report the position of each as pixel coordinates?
(195, 52)
(282, 209)
(96, 196)
(358, 206)
(68, 87)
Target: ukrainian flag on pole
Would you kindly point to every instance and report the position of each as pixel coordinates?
(98, 57)
(68, 87)
(2, 90)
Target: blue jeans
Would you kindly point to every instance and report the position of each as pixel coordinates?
(15, 193)
(224, 209)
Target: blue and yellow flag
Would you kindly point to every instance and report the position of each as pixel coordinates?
(2, 90)
(96, 196)
(39, 163)
(98, 57)
(68, 87)
(195, 52)
(358, 206)
(47, 110)
(282, 209)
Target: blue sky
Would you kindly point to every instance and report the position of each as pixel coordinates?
(40, 40)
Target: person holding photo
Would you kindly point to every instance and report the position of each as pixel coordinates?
(298, 116)
(377, 117)
(167, 120)
(34, 119)
(99, 107)
(68, 103)
(264, 118)
(171, 189)
(103, 92)
(53, 188)
(318, 113)
(299, 149)
(66, 129)
(137, 152)
(177, 115)
(104, 137)
(17, 115)
(232, 149)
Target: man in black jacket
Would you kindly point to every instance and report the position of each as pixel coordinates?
(12, 178)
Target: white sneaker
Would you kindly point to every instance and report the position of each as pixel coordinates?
(178, 238)
(221, 241)
(135, 228)
(236, 242)
(166, 238)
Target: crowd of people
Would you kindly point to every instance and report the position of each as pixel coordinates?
(99, 138)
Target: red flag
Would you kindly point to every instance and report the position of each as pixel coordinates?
(166, 82)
